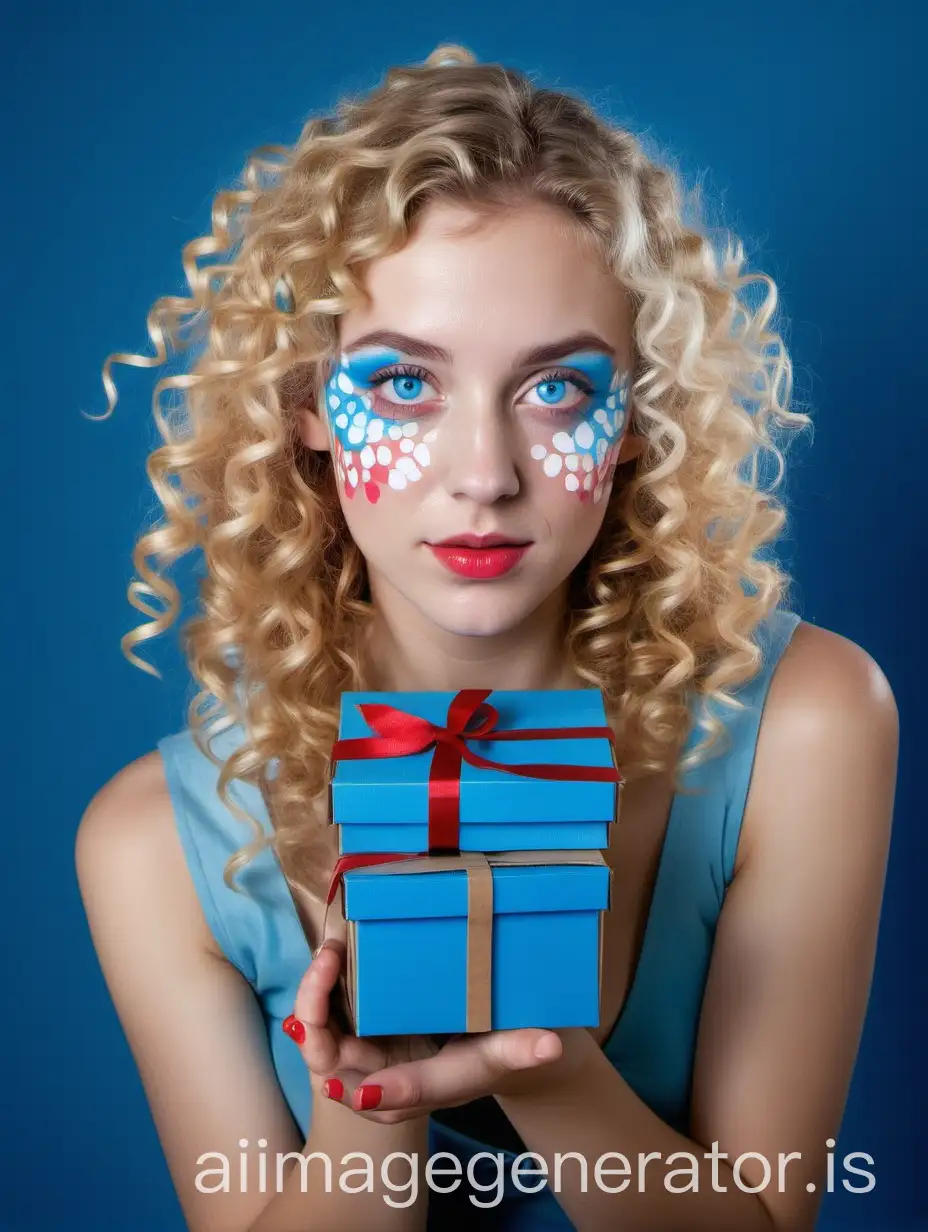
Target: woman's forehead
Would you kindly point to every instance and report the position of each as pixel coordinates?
(495, 286)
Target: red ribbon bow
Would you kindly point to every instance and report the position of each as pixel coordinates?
(469, 717)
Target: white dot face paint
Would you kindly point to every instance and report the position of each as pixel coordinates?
(373, 451)
(584, 435)
(583, 459)
(388, 452)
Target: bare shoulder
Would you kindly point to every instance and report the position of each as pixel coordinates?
(825, 764)
(126, 824)
(828, 685)
(129, 858)
(128, 804)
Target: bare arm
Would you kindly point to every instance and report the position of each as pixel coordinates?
(198, 1036)
(788, 985)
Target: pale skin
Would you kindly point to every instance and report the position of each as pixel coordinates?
(793, 956)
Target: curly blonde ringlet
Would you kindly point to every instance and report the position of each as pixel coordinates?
(665, 606)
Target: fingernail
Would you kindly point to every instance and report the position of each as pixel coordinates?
(332, 1088)
(294, 1028)
(367, 1096)
(547, 1048)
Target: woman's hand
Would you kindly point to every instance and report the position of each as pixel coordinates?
(338, 1062)
(396, 1078)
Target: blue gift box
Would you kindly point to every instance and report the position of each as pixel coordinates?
(419, 960)
(381, 804)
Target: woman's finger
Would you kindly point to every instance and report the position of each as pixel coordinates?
(339, 1086)
(312, 998)
(465, 1069)
(310, 1025)
(313, 1027)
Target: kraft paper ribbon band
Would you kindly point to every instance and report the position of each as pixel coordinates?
(470, 717)
(479, 945)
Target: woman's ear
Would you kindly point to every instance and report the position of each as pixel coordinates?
(632, 446)
(314, 431)
(302, 396)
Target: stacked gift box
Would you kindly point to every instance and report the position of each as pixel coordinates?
(471, 831)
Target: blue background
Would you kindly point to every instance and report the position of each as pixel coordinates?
(805, 123)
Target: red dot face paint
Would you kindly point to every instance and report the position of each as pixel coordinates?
(376, 436)
(582, 452)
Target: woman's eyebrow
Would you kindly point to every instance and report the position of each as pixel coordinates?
(566, 346)
(544, 354)
(400, 342)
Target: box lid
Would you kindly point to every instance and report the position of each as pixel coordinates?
(391, 789)
(522, 882)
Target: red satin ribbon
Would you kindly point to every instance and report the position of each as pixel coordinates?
(344, 864)
(400, 734)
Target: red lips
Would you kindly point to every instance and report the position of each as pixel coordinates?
(480, 556)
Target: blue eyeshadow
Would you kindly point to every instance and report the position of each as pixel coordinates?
(361, 367)
(597, 366)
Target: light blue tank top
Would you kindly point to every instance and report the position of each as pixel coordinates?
(653, 1042)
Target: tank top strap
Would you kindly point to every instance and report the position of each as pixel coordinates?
(773, 636)
(710, 806)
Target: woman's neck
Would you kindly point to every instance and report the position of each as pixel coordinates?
(407, 651)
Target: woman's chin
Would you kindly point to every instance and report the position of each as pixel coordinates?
(482, 615)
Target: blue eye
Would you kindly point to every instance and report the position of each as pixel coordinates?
(403, 387)
(551, 391)
(406, 388)
(561, 392)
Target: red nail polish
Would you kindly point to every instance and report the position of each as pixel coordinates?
(294, 1028)
(367, 1096)
(332, 1088)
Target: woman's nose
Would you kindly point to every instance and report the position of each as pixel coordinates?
(480, 460)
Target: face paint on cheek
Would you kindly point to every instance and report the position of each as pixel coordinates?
(584, 460)
(370, 452)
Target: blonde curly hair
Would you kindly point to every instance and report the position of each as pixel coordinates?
(664, 607)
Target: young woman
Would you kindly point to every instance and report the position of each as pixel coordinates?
(474, 407)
